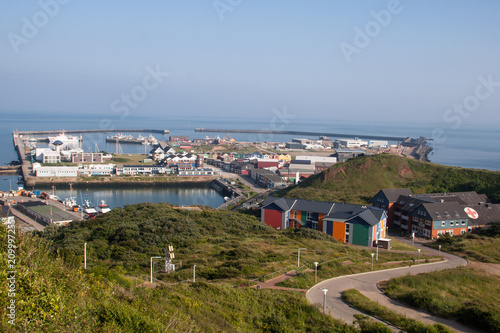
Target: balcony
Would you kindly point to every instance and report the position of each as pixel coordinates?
(397, 213)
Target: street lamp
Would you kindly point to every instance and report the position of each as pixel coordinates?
(418, 262)
(194, 273)
(85, 256)
(152, 267)
(315, 271)
(298, 256)
(372, 259)
(377, 252)
(440, 250)
(324, 299)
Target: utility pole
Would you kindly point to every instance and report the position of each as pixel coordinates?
(298, 256)
(315, 271)
(324, 300)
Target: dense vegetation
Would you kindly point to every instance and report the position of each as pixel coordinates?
(52, 297)
(359, 179)
(224, 246)
(470, 296)
(363, 303)
(483, 247)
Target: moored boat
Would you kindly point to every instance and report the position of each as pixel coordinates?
(103, 207)
(88, 208)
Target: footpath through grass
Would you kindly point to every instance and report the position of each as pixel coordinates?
(363, 303)
(470, 296)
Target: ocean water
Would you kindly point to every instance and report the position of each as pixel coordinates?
(468, 147)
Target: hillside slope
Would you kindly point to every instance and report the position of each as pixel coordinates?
(359, 179)
(50, 296)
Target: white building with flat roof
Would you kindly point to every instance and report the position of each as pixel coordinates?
(378, 144)
(54, 171)
(353, 143)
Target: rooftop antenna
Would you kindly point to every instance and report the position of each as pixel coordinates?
(169, 255)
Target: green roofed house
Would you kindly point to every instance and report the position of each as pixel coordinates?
(352, 224)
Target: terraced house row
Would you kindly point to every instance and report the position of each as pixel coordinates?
(352, 224)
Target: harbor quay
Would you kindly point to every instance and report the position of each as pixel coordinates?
(197, 160)
(36, 213)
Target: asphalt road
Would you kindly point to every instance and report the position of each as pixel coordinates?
(366, 283)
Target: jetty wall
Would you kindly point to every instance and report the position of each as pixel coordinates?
(108, 130)
(338, 135)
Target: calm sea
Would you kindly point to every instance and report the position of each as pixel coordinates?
(468, 147)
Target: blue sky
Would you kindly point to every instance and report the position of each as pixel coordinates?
(420, 61)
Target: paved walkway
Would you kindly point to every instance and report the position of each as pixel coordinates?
(366, 283)
(271, 284)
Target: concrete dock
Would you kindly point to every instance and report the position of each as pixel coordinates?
(13, 203)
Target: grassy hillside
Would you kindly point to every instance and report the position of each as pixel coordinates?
(463, 293)
(359, 179)
(52, 297)
(483, 247)
(225, 246)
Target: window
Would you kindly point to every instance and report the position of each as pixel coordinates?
(309, 216)
(443, 223)
(437, 214)
(452, 223)
(347, 226)
(315, 225)
(447, 214)
(427, 222)
(456, 214)
(347, 238)
(415, 219)
(463, 222)
(463, 231)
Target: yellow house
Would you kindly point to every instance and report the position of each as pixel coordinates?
(285, 158)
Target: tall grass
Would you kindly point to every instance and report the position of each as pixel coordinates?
(470, 296)
(356, 299)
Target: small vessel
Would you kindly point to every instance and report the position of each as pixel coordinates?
(70, 202)
(88, 208)
(103, 207)
(65, 139)
(226, 199)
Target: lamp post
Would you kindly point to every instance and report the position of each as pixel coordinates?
(152, 267)
(315, 271)
(376, 258)
(372, 259)
(440, 250)
(194, 273)
(85, 256)
(324, 299)
(298, 256)
(418, 262)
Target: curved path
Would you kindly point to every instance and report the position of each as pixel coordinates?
(366, 283)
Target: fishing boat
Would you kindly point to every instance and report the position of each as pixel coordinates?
(103, 207)
(88, 208)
